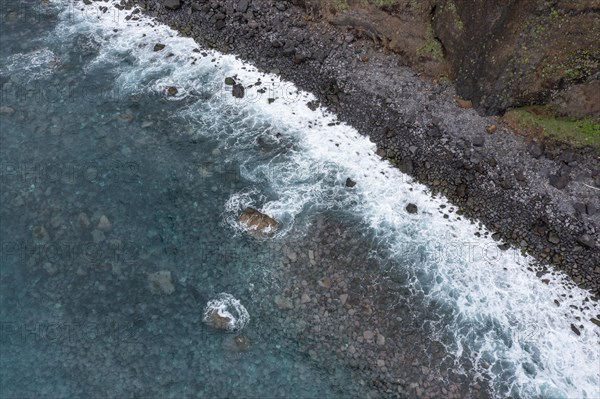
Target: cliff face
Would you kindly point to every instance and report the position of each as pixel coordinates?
(502, 54)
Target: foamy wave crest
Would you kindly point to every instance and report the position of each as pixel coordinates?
(29, 67)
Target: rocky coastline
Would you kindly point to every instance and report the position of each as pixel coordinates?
(537, 195)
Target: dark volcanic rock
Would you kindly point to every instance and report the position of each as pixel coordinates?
(172, 4)
(536, 149)
(411, 208)
(238, 91)
(559, 181)
(350, 183)
(586, 241)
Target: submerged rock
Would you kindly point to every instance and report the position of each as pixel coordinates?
(40, 234)
(104, 224)
(258, 223)
(161, 282)
(236, 344)
(350, 183)
(226, 313)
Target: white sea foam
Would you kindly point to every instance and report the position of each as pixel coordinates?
(499, 313)
(226, 312)
(29, 67)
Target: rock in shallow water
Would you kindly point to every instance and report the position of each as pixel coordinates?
(257, 223)
(226, 313)
(161, 282)
(411, 208)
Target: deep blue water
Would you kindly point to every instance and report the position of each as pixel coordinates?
(90, 130)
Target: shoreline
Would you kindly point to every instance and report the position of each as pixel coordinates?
(529, 193)
(343, 307)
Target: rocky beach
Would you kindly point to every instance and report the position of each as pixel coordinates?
(540, 196)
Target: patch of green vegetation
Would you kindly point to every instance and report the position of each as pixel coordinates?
(576, 67)
(458, 23)
(383, 3)
(341, 4)
(432, 47)
(578, 132)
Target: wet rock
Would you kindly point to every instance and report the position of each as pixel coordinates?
(40, 234)
(161, 282)
(238, 91)
(312, 105)
(411, 208)
(172, 4)
(258, 223)
(225, 313)
(575, 329)
(172, 90)
(159, 46)
(229, 81)
(350, 183)
(559, 181)
(104, 224)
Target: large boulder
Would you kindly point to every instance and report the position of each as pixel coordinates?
(257, 223)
